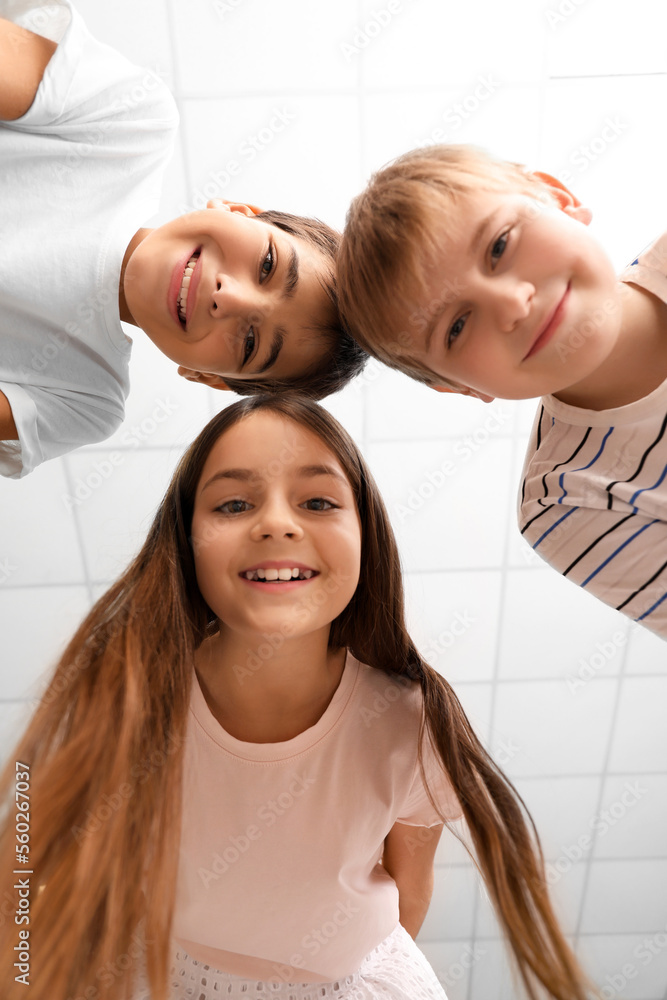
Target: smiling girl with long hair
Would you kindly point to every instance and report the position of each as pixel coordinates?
(241, 767)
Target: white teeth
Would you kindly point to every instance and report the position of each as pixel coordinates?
(284, 573)
(185, 284)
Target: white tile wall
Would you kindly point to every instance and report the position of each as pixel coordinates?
(536, 82)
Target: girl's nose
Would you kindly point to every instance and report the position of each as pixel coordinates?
(276, 519)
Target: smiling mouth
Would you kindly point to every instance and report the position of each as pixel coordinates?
(550, 327)
(282, 575)
(182, 297)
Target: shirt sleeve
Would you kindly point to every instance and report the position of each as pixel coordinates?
(619, 557)
(51, 423)
(88, 88)
(417, 809)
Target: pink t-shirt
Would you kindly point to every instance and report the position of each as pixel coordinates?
(279, 876)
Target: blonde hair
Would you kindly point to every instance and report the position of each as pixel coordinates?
(391, 235)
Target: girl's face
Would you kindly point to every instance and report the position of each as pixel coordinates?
(275, 530)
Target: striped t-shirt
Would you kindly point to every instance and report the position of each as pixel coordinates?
(593, 501)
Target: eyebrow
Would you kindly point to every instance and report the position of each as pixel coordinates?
(250, 475)
(276, 347)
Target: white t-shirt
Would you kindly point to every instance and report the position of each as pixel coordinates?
(279, 875)
(80, 173)
(593, 501)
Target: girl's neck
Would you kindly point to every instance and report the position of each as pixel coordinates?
(268, 698)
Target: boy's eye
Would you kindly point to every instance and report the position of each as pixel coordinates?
(233, 507)
(268, 263)
(249, 345)
(456, 329)
(319, 502)
(499, 247)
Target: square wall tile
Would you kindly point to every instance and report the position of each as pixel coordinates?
(441, 507)
(647, 651)
(632, 819)
(504, 120)
(563, 810)
(492, 975)
(14, 717)
(452, 962)
(119, 500)
(600, 139)
(36, 624)
(277, 150)
(640, 735)
(451, 912)
(630, 967)
(453, 619)
(587, 639)
(599, 38)
(404, 410)
(38, 538)
(551, 731)
(250, 46)
(427, 42)
(625, 897)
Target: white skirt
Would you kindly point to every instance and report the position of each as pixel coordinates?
(395, 970)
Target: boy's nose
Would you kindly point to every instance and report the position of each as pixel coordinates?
(231, 298)
(512, 302)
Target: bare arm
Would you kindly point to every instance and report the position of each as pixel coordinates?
(23, 58)
(408, 857)
(8, 430)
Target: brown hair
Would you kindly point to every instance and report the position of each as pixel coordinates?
(345, 359)
(112, 722)
(391, 235)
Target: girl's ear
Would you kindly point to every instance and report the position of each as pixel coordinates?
(568, 202)
(233, 206)
(205, 378)
(464, 391)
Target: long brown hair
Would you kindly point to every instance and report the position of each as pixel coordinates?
(104, 751)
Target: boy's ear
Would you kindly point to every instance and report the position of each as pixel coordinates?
(569, 202)
(464, 391)
(206, 378)
(233, 206)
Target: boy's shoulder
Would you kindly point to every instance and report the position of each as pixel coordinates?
(649, 268)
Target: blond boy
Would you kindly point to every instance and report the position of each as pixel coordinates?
(476, 276)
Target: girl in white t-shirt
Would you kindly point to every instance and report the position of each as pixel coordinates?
(258, 825)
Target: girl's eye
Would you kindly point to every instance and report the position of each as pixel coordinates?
(268, 263)
(456, 330)
(499, 247)
(319, 502)
(233, 507)
(249, 345)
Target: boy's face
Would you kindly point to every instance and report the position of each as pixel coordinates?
(523, 301)
(249, 306)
